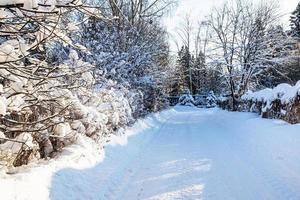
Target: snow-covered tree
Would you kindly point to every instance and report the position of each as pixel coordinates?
(275, 58)
(37, 103)
(295, 21)
(294, 73)
(211, 100)
(248, 44)
(183, 65)
(134, 58)
(200, 74)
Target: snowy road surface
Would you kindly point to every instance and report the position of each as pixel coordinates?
(194, 154)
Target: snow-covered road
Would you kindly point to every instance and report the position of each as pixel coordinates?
(194, 154)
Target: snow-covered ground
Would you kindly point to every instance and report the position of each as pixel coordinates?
(182, 153)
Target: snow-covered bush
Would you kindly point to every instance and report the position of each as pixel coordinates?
(200, 100)
(18, 151)
(186, 99)
(211, 100)
(206, 100)
(282, 102)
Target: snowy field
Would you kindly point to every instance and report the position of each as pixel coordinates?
(183, 153)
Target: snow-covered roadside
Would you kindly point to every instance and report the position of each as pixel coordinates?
(33, 181)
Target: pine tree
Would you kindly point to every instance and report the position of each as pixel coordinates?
(200, 74)
(295, 21)
(295, 29)
(276, 50)
(183, 65)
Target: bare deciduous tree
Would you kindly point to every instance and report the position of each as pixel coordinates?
(242, 44)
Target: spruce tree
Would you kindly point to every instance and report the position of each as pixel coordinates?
(295, 21)
(184, 64)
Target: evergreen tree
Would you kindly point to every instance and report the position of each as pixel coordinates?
(295, 29)
(215, 81)
(295, 21)
(184, 65)
(200, 78)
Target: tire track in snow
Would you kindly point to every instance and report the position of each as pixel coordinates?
(150, 182)
(136, 164)
(123, 174)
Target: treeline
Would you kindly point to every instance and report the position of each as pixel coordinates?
(240, 46)
(74, 68)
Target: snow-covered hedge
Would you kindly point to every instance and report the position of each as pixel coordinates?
(281, 102)
(283, 92)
